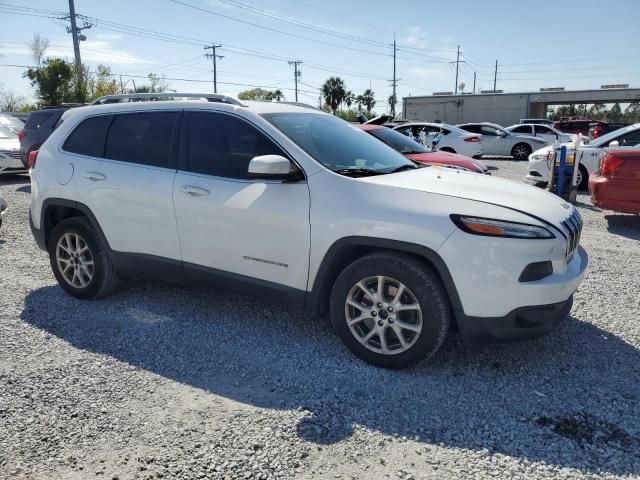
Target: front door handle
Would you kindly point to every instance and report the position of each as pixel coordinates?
(194, 191)
(94, 176)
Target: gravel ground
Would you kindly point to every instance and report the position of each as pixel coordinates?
(160, 381)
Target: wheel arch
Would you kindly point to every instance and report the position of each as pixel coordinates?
(347, 250)
(54, 210)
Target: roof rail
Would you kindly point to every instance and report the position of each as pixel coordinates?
(298, 104)
(148, 97)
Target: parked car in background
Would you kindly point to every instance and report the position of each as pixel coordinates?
(454, 140)
(616, 184)
(419, 153)
(574, 126)
(498, 141)
(598, 129)
(3, 208)
(37, 129)
(539, 121)
(590, 154)
(12, 123)
(10, 152)
(546, 132)
(297, 205)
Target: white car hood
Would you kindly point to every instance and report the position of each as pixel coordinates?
(481, 188)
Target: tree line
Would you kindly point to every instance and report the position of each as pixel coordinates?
(599, 111)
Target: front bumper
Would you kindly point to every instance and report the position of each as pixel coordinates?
(538, 170)
(523, 322)
(11, 163)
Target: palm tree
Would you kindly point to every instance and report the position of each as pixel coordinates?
(349, 98)
(368, 100)
(359, 103)
(334, 92)
(277, 95)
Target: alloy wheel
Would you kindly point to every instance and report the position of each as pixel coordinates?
(74, 260)
(384, 315)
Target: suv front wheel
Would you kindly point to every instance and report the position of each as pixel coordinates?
(79, 260)
(390, 310)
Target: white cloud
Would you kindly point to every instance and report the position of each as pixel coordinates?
(425, 72)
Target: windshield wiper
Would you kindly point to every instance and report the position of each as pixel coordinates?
(403, 168)
(358, 172)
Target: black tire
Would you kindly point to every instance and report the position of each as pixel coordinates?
(427, 289)
(104, 279)
(521, 151)
(447, 149)
(584, 182)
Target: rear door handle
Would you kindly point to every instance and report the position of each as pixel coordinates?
(94, 176)
(194, 191)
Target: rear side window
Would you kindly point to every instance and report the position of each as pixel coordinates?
(36, 119)
(88, 138)
(523, 129)
(223, 145)
(143, 138)
(472, 128)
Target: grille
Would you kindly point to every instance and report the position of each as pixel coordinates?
(573, 227)
(15, 154)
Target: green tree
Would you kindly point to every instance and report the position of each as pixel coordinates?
(101, 83)
(53, 81)
(349, 98)
(598, 111)
(632, 112)
(277, 95)
(368, 100)
(334, 91)
(615, 114)
(255, 94)
(359, 103)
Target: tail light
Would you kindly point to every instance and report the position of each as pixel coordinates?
(596, 131)
(21, 134)
(609, 163)
(33, 156)
(472, 139)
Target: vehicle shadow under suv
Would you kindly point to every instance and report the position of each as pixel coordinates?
(557, 404)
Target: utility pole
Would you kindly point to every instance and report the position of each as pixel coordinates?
(77, 38)
(495, 76)
(296, 73)
(394, 82)
(474, 82)
(213, 58)
(457, 65)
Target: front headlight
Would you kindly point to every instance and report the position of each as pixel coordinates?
(500, 228)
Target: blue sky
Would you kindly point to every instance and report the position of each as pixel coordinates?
(573, 44)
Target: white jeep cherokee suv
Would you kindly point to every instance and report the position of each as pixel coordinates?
(296, 205)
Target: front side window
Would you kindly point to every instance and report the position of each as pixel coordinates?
(397, 141)
(489, 131)
(89, 137)
(542, 130)
(223, 145)
(142, 138)
(522, 129)
(472, 128)
(337, 145)
(630, 139)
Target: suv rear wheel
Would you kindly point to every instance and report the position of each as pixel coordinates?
(79, 260)
(390, 310)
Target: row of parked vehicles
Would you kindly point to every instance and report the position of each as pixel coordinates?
(284, 201)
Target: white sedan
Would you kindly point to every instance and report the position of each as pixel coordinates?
(10, 152)
(500, 142)
(545, 132)
(454, 140)
(590, 154)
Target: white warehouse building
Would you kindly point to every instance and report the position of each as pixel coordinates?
(505, 108)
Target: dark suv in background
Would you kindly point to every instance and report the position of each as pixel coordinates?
(37, 129)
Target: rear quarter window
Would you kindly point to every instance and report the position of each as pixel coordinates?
(89, 137)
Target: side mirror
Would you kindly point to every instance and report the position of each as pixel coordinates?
(273, 167)
(614, 143)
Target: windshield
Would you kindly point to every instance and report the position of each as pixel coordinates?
(6, 133)
(337, 145)
(611, 135)
(399, 142)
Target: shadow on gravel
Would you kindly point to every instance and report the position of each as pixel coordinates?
(568, 399)
(624, 225)
(24, 189)
(14, 179)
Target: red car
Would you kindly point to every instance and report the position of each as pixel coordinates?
(616, 185)
(418, 153)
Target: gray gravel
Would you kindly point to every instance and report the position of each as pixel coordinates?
(161, 381)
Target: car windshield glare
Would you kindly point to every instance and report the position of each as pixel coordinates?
(335, 144)
(399, 142)
(6, 133)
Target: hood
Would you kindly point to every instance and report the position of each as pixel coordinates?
(481, 188)
(447, 158)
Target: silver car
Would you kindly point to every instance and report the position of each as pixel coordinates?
(3, 208)
(500, 142)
